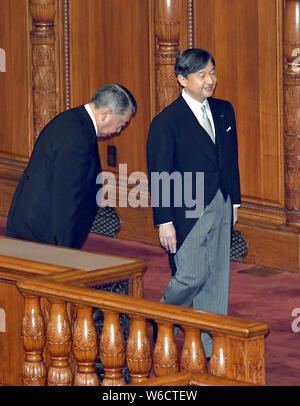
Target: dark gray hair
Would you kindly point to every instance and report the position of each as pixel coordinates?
(115, 96)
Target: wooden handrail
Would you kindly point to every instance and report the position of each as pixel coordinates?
(238, 344)
(144, 308)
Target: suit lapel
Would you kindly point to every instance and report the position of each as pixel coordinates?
(195, 130)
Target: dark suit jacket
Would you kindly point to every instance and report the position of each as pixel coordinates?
(177, 142)
(55, 200)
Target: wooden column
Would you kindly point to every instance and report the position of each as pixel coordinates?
(292, 109)
(85, 348)
(59, 344)
(167, 32)
(165, 358)
(193, 357)
(44, 90)
(33, 335)
(138, 350)
(112, 350)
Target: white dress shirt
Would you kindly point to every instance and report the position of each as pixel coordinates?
(195, 106)
(90, 113)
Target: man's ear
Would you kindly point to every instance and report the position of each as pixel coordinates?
(182, 80)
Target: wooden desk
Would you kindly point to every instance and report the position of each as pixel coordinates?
(21, 260)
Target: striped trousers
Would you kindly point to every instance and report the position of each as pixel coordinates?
(203, 264)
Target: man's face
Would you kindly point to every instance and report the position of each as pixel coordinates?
(111, 123)
(201, 84)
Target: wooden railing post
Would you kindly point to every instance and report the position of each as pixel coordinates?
(112, 350)
(165, 352)
(59, 345)
(33, 335)
(85, 348)
(219, 356)
(247, 359)
(138, 350)
(193, 357)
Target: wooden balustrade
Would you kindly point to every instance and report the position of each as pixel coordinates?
(238, 344)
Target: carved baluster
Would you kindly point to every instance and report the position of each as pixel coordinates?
(85, 348)
(165, 352)
(219, 357)
(59, 345)
(138, 350)
(112, 350)
(33, 335)
(193, 357)
(291, 111)
(43, 63)
(167, 31)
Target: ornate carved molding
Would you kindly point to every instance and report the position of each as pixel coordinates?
(292, 110)
(66, 56)
(167, 33)
(43, 63)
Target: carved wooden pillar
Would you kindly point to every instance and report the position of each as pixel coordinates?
(85, 348)
(292, 109)
(33, 335)
(193, 357)
(59, 345)
(138, 350)
(43, 63)
(219, 357)
(165, 352)
(167, 31)
(112, 350)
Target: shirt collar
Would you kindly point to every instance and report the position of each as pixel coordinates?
(193, 103)
(91, 114)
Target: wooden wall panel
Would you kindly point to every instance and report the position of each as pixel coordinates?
(15, 82)
(245, 39)
(111, 44)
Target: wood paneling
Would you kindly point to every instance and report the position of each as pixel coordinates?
(111, 44)
(127, 41)
(15, 83)
(247, 47)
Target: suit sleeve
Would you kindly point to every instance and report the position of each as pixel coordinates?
(71, 183)
(160, 160)
(235, 192)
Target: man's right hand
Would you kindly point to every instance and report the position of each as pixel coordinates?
(167, 237)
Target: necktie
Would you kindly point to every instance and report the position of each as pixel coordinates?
(206, 124)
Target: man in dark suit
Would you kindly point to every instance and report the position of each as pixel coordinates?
(195, 135)
(55, 200)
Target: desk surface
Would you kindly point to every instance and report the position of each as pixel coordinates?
(66, 257)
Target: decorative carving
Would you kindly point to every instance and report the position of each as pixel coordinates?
(43, 63)
(219, 357)
(112, 350)
(85, 348)
(33, 335)
(190, 14)
(138, 350)
(167, 31)
(292, 110)
(193, 356)
(59, 345)
(66, 52)
(165, 353)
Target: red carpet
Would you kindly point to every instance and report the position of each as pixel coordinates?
(266, 299)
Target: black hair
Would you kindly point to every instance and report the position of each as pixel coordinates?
(192, 60)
